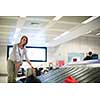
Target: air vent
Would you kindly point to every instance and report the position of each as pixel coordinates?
(33, 23)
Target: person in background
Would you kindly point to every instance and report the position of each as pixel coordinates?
(89, 56)
(40, 71)
(51, 68)
(15, 59)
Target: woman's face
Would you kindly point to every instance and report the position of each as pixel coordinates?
(23, 40)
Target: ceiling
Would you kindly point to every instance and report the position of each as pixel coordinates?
(95, 33)
(42, 30)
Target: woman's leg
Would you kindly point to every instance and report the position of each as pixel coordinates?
(12, 74)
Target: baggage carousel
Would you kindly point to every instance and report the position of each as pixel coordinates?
(83, 72)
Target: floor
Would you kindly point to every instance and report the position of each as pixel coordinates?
(3, 79)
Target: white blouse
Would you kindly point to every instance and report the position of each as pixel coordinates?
(18, 54)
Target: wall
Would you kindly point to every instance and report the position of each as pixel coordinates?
(3, 61)
(78, 45)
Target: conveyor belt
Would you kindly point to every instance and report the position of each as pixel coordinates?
(74, 74)
(82, 74)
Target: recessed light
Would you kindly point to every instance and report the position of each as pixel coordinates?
(89, 32)
(57, 38)
(98, 34)
(65, 33)
(57, 18)
(89, 19)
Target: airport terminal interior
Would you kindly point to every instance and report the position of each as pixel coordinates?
(62, 49)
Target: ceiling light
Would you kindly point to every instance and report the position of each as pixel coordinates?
(89, 19)
(89, 32)
(57, 18)
(17, 30)
(65, 33)
(57, 37)
(98, 34)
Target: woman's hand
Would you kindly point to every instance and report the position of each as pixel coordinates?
(17, 66)
(30, 64)
(32, 67)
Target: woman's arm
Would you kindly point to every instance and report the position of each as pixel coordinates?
(28, 61)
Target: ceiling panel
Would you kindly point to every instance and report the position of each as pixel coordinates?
(62, 26)
(30, 31)
(74, 18)
(41, 17)
(35, 23)
(42, 29)
(6, 30)
(93, 33)
(6, 21)
(50, 32)
(9, 17)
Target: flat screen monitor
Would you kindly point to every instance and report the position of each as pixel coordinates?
(95, 56)
(35, 54)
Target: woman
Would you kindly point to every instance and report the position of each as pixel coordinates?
(15, 59)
